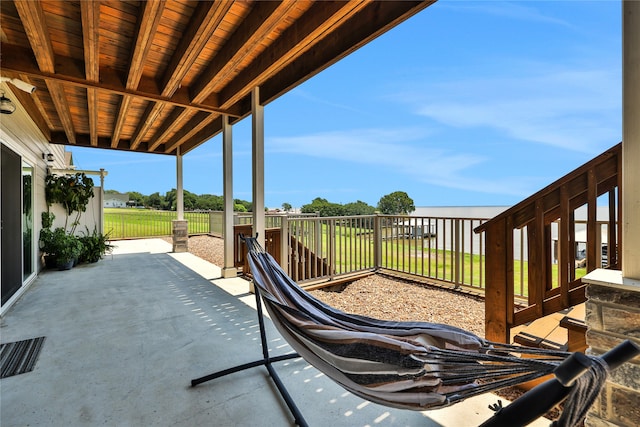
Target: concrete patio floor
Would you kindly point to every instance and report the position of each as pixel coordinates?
(125, 336)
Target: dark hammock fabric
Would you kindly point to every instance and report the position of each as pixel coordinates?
(410, 365)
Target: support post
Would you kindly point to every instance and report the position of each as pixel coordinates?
(180, 227)
(103, 173)
(257, 133)
(179, 188)
(228, 270)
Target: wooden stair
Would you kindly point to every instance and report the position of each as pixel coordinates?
(565, 331)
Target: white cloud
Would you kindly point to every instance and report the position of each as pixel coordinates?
(399, 151)
(572, 109)
(305, 95)
(508, 10)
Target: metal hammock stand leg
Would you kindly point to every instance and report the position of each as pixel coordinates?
(266, 361)
(417, 365)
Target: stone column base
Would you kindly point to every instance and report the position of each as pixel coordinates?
(229, 272)
(180, 235)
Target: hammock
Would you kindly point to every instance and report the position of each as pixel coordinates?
(409, 365)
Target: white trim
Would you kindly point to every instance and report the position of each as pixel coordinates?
(612, 279)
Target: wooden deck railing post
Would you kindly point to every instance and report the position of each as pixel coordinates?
(496, 282)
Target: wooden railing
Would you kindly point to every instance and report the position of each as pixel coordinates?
(589, 185)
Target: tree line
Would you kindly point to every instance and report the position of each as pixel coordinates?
(191, 201)
(394, 203)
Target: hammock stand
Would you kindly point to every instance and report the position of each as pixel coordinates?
(575, 374)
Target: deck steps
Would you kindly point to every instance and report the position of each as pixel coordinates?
(564, 331)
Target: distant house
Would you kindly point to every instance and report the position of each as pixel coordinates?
(116, 200)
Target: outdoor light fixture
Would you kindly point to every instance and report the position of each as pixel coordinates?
(6, 105)
(48, 157)
(22, 85)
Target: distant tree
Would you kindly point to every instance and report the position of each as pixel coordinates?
(247, 205)
(286, 207)
(396, 203)
(189, 200)
(136, 197)
(358, 208)
(239, 207)
(170, 200)
(111, 192)
(210, 202)
(155, 200)
(323, 207)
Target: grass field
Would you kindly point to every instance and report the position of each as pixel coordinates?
(131, 223)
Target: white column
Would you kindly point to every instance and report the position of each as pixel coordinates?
(179, 189)
(228, 269)
(102, 175)
(257, 131)
(631, 139)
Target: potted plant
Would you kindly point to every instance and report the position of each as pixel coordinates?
(65, 247)
(94, 245)
(46, 240)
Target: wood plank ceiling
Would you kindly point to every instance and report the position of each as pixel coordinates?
(152, 76)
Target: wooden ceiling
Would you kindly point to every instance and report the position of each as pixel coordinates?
(152, 76)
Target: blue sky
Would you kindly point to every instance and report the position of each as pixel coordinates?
(466, 103)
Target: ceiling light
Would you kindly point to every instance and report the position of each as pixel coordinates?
(6, 105)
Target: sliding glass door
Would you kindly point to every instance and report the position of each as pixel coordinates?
(17, 220)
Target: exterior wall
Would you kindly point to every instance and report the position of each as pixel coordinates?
(20, 134)
(613, 315)
(89, 219)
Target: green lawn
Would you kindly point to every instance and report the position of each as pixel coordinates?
(122, 223)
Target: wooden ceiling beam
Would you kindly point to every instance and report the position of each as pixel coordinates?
(168, 126)
(202, 136)
(56, 90)
(254, 28)
(32, 17)
(16, 59)
(146, 121)
(37, 30)
(103, 142)
(197, 122)
(305, 32)
(205, 21)
(145, 30)
(90, 13)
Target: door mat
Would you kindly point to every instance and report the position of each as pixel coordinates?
(20, 356)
